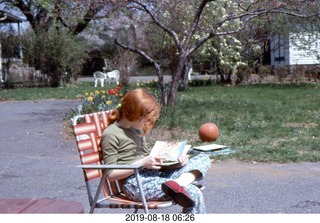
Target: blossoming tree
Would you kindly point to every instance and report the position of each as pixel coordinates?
(187, 25)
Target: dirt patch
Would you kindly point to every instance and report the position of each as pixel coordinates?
(162, 134)
(67, 130)
(301, 125)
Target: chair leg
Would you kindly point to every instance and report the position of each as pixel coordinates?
(136, 172)
(96, 196)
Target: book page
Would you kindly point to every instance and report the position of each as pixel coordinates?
(170, 151)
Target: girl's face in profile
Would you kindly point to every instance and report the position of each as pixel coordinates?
(139, 124)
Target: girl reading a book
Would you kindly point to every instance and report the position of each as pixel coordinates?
(123, 142)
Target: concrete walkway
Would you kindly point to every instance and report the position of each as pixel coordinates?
(37, 161)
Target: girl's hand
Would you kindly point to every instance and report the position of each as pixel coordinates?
(183, 160)
(152, 162)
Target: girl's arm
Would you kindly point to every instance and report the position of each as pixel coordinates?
(148, 162)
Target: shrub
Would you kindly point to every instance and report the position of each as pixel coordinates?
(99, 100)
(103, 100)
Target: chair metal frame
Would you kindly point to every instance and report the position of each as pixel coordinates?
(88, 136)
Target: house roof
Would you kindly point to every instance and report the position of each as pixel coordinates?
(6, 17)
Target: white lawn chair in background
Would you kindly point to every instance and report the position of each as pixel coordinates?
(99, 76)
(113, 75)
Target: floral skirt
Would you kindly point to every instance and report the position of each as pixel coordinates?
(152, 180)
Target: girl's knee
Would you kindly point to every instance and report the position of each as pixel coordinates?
(203, 162)
(204, 157)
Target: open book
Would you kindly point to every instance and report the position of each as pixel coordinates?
(170, 151)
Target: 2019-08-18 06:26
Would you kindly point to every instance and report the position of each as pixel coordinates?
(160, 217)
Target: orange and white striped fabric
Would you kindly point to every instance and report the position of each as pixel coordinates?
(88, 131)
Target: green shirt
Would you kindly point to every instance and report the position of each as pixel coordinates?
(122, 146)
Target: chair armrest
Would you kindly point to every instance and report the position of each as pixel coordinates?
(112, 166)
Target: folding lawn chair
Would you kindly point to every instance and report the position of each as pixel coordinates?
(88, 136)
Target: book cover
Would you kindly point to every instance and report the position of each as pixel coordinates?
(210, 147)
(170, 151)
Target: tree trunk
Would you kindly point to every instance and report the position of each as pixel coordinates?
(176, 77)
(161, 84)
(185, 78)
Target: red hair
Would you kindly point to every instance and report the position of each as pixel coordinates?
(137, 104)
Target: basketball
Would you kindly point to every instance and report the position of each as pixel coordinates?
(208, 132)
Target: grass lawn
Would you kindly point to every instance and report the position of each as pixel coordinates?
(263, 123)
(268, 123)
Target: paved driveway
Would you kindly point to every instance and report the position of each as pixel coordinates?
(37, 161)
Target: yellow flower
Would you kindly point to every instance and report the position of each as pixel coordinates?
(86, 94)
(91, 93)
(108, 102)
(97, 92)
(103, 96)
(90, 98)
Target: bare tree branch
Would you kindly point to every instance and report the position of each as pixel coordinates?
(138, 51)
(195, 23)
(26, 10)
(161, 25)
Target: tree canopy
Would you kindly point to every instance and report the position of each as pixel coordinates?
(186, 25)
(169, 33)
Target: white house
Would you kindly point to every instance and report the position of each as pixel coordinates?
(6, 18)
(302, 48)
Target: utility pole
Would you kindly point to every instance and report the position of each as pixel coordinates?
(1, 73)
(1, 79)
